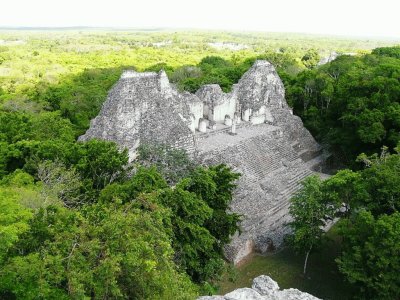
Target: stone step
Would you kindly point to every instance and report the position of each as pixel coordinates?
(258, 158)
(307, 155)
(300, 175)
(280, 208)
(290, 190)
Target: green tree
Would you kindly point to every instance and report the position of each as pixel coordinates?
(199, 222)
(387, 51)
(173, 164)
(60, 182)
(308, 210)
(106, 251)
(99, 163)
(350, 104)
(311, 58)
(192, 242)
(215, 186)
(381, 179)
(345, 191)
(14, 126)
(370, 259)
(14, 220)
(144, 181)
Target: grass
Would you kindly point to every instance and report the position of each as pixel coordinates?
(322, 280)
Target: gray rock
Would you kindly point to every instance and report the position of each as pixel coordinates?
(259, 86)
(327, 59)
(263, 288)
(265, 285)
(294, 294)
(211, 94)
(243, 294)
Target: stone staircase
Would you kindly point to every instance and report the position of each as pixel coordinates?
(272, 170)
(281, 202)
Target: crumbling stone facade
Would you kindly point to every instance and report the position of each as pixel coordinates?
(252, 129)
(143, 107)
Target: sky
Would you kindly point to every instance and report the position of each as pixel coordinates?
(378, 18)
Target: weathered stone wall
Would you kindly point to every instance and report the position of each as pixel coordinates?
(217, 104)
(293, 128)
(197, 110)
(142, 108)
(259, 86)
(227, 107)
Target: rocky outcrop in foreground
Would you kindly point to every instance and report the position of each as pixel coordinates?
(263, 288)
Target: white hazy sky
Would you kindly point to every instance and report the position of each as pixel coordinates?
(341, 17)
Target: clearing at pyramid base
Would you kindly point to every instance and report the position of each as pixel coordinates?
(251, 129)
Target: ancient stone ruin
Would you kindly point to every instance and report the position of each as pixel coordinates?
(252, 129)
(263, 288)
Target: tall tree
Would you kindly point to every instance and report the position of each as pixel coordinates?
(308, 211)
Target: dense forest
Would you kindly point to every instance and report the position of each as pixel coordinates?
(367, 202)
(77, 220)
(352, 105)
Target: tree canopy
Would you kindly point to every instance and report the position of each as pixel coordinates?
(367, 203)
(352, 103)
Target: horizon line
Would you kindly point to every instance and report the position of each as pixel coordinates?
(193, 29)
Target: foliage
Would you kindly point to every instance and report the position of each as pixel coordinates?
(382, 178)
(368, 202)
(311, 58)
(103, 252)
(370, 257)
(352, 103)
(387, 51)
(201, 223)
(215, 186)
(174, 164)
(141, 239)
(13, 220)
(308, 211)
(60, 182)
(344, 192)
(145, 180)
(192, 242)
(100, 162)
